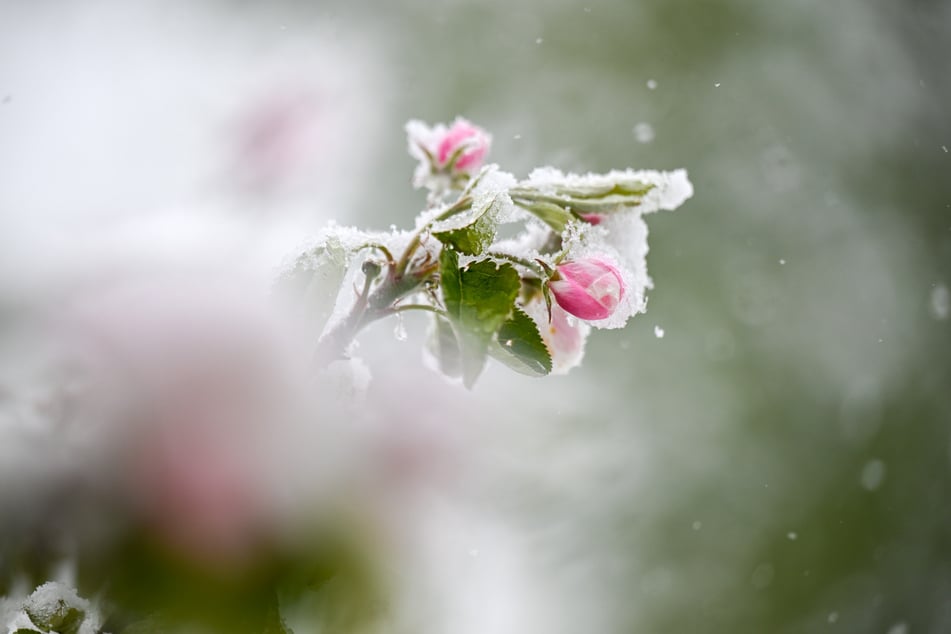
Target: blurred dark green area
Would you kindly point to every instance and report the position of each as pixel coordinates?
(797, 411)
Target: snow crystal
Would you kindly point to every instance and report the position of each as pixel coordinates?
(651, 84)
(643, 132)
(334, 241)
(899, 628)
(792, 536)
(490, 192)
(493, 185)
(940, 302)
(658, 332)
(873, 475)
(833, 617)
(527, 243)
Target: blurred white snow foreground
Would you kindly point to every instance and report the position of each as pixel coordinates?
(181, 405)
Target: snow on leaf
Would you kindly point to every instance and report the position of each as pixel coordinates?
(478, 232)
(647, 190)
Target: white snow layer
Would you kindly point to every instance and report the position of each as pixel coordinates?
(670, 189)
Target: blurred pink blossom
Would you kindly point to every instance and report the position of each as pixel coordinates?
(198, 385)
(469, 141)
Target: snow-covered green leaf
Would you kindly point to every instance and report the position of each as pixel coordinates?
(519, 345)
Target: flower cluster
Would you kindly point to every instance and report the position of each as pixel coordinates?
(576, 261)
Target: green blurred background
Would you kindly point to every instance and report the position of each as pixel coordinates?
(779, 460)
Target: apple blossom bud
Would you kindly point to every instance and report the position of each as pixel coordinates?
(592, 218)
(589, 289)
(447, 154)
(463, 147)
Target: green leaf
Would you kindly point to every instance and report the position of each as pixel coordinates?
(519, 345)
(621, 188)
(604, 199)
(59, 617)
(477, 232)
(444, 346)
(471, 240)
(479, 298)
(313, 282)
(551, 214)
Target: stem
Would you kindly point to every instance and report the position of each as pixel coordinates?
(514, 259)
(397, 284)
(390, 260)
(426, 307)
(369, 308)
(460, 205)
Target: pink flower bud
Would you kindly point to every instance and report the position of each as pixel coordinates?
(469, 141)
(594, 219)
(589, 289)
